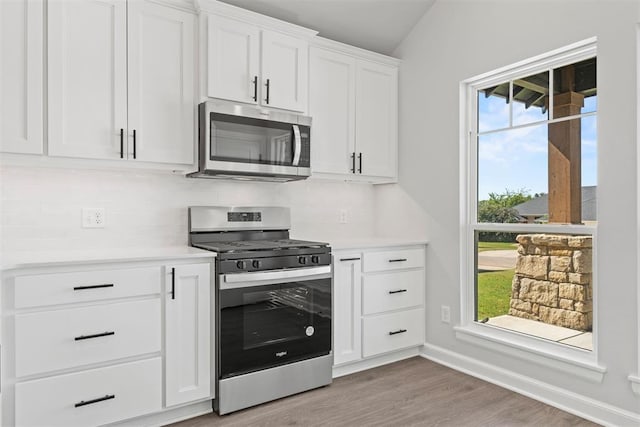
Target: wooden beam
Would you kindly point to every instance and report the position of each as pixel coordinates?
(565, 193)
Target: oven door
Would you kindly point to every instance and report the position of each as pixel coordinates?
(267, 319)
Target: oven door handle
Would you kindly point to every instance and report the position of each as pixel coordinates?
(297, 147)
(243, 280)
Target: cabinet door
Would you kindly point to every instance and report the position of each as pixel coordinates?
(233, 60)
(187, 333)
(87, 93)
(161, 83)
(21, 73)
(347, 296)
(332, 94)
(377, 119)
(284, 71)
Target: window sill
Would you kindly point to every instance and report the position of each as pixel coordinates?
(635, 383)
(578, 362)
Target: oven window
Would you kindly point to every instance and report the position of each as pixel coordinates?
(289, 310)
(247, 140)
(265, 326)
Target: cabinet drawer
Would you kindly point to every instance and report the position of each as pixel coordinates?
(393, 260)
(61, 339)
(392, 291)
(61, 288)
(389, 332)
(90, 398)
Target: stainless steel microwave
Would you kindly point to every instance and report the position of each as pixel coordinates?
(245, 142)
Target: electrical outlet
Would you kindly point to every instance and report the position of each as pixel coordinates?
(445, 314)
(93, 218)
(343, 216)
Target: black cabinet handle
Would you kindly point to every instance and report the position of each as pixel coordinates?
(134, 143)
(399, 291)
(100, 399)
(255, 88)
(88, 337)
(398, 260)
(349, 259)
(353, 162)
(359, 162)
(104, 285)
(121, 143)
(267, 85)
(173, 283)
(399, 331)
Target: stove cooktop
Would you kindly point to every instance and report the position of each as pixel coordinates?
(259, 245)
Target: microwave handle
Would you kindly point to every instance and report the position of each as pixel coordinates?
(297, 147)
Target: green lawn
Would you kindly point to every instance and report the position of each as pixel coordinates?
(495, 246)
(494, 292)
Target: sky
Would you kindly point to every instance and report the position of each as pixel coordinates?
(516, 159)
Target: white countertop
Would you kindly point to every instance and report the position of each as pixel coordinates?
(339, 244)
(35, 259)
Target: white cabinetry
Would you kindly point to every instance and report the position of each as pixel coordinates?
(354, 104)
(347, 295)
(378, 304)
(121, 81)
(187, 333)
(251, 64)
(21, 76)
(83, 345)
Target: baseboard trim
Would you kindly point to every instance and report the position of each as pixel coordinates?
(582, 406)
(169, 416)
(374, 362)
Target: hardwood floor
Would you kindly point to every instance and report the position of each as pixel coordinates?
(413, 392)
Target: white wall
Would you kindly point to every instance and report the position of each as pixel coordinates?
(41, 207)
(457, 40)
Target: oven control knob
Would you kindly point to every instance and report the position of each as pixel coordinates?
(302, 260)
(241, 265)
(256, 263)
(315, 259)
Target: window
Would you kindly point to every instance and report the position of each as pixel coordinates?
(531, 190)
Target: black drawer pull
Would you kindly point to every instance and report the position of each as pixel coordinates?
(399, 331)
(88, 337)
(173, 283)
(398, 291)
(398, 260)
(82, 288)
(349, 259)
(100, 399)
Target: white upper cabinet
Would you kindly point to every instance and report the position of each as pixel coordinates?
(233, 60)
(250, 64)
(354, 104)
(332, 95)
(161, 83)
(284, 71)
(121, 81)
(87, 75)
(21, 76)
(376, 119)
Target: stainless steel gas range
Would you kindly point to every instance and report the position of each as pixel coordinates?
(273, 305)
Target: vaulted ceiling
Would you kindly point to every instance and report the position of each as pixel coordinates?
(378, 25)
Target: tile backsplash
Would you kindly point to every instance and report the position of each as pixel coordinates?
(41, 207)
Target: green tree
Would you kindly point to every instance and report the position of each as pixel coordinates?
(499, 208)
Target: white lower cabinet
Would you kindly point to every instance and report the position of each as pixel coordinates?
(347, 295)
(378, 304)
(187, 333)
(83, 345)
(92, 397)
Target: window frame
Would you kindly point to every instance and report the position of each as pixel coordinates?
(512, 342)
